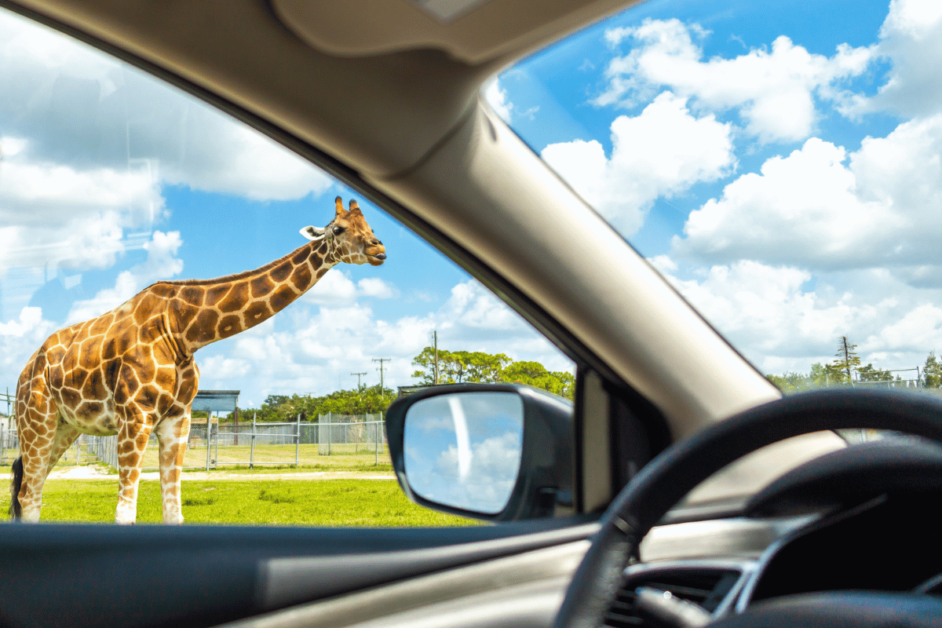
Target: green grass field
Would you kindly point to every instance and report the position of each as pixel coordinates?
(333, 503)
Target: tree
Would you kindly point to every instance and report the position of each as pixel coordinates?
(535, 374)
(792, 382)
(847, 361)
(870, 374)
(932, 371)
(282, 408)
(456, 367)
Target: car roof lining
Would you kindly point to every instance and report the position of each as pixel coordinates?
(485, 31)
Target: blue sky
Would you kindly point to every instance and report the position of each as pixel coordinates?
(737, 161)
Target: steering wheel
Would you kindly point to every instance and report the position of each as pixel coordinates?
(681, 467)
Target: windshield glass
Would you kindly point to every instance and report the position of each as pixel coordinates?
(780, 163)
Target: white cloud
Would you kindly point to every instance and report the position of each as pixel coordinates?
(781, 322)
(496, 97)
(377, 288)
(336, 289)
(911, 38)
(79, 106)
(66, 217)
(774, 91)
(763, 310)
(661, 152)
(920, 330)
(486, 486)
(219, 368)
(161, 263)
(30, 319)
(19, 338)
(813, 210)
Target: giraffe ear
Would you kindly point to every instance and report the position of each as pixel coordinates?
(340, 210)
(312, 233)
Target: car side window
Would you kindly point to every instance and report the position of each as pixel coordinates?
(160, 261)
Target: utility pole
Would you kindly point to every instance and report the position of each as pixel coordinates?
(435, 336)
(359, 375)
(382, 388)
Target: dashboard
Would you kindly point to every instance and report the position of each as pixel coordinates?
(864, 518)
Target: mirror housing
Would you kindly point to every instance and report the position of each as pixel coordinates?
(544, 483)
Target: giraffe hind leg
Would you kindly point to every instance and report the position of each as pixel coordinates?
(172, 434)
(36, 440)
(65, 436)
(132, 440)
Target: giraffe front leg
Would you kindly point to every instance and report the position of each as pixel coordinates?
(172, 434)
(132, 440)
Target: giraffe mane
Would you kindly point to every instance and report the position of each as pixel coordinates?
(233, 277)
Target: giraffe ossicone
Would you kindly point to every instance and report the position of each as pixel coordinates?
(131, 371)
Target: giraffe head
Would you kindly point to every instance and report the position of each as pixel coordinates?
(350, 238)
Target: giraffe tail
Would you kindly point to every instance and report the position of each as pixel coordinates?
(15, 511)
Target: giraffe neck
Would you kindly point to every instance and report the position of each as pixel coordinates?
(203, 312)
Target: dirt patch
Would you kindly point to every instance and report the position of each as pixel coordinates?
(83, 473)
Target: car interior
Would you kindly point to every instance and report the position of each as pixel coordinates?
(679, 489)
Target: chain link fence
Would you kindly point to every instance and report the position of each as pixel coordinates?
(85, 450)
(360, 439)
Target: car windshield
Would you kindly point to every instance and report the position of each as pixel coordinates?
(780, 163)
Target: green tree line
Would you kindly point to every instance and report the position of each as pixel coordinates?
(281, 408)
(457, 367)
(846, 367)
(454, 367)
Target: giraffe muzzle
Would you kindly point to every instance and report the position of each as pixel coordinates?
(376, 260)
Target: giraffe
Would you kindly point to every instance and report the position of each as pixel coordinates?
(131, 371)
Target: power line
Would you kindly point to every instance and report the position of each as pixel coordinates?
(359, 375)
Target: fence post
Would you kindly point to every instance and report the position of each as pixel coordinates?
(209, 430)
(297, 445)
(376, 442)
(216, 453)
(252, 449)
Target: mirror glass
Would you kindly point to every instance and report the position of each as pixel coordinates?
(463, 450)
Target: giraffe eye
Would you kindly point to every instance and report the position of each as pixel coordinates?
(339, 230)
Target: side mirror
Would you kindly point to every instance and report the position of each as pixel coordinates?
(498, 452)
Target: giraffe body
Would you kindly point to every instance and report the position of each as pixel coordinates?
(131, 371)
